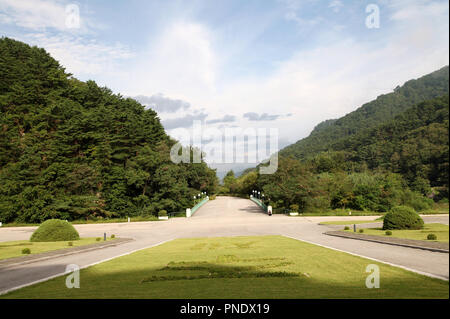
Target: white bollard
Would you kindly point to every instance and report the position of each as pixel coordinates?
(128, 219)
(269, 210)
(188, 212)
(1, 224)
(349, 213)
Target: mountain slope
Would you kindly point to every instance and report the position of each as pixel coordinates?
(371, 114)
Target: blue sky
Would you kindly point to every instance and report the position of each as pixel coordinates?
(290, 64)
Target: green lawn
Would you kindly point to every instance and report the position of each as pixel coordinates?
(238, 267)
(440, 230)
(11, 249)
(348, 222)
(438, 208)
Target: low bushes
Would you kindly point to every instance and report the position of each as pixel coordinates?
(402, 217)
(388, 233)
(431, 237)
(26, 251)
(55, 230)
(162, 213)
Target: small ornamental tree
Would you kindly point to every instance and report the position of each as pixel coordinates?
(402, 217)
(55, 230)
(162, 213)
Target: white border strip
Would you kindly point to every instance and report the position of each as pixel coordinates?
(85, 266)
(374, 259)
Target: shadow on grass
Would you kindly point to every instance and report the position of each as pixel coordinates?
(228, 277)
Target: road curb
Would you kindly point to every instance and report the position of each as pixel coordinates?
(381, 240)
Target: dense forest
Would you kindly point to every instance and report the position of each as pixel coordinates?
(73, 150)
(391, 151)
(383, 109)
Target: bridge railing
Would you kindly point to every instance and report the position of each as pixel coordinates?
(259, 203)
(191, 211)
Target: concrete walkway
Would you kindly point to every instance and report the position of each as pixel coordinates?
(225, 216)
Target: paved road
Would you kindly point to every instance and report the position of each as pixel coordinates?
(224, 216)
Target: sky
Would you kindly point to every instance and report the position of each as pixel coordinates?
(281, 64)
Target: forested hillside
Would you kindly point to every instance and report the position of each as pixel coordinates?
(371, 114)
(414, 144)
(399, 159)
(71, 149)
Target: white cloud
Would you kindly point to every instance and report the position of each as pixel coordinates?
(47, 24)
(180, 63)
(418, 11)
(81, 56)
(37, 15)
(336, 5)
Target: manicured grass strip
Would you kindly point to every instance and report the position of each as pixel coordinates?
(12, 249)
(349, 222)
(238, 267)
(440, 230)
(438, 208)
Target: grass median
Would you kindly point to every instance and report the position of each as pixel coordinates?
(350, 222)
(238, 267)
(440, 230)
(12, 249)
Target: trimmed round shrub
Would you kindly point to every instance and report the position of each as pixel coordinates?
(98, 239)
(361, 230)
(346, 228)
(113, 236)
(402, 217)
(26, 251)
(388, 233)
(162, 213)
(55, 230)
(431, 237)
(70, 243)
